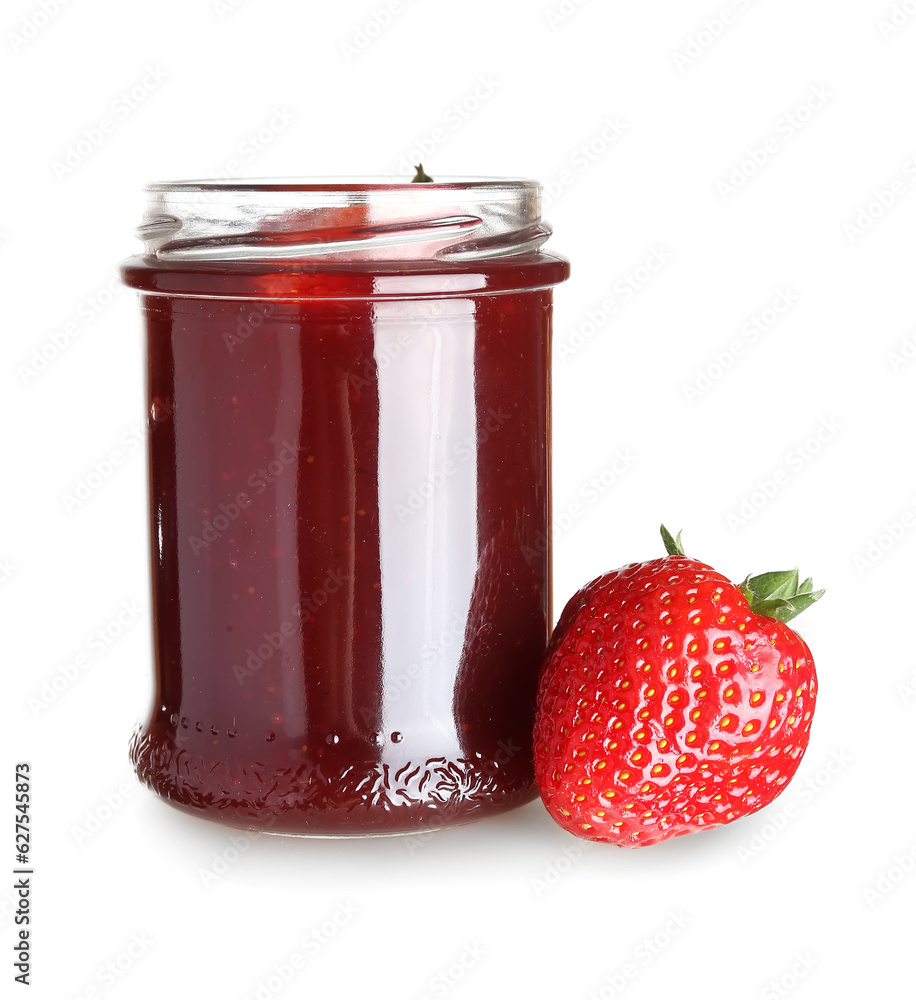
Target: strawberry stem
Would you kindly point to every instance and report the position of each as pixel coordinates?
(672, 545)
(421, 177)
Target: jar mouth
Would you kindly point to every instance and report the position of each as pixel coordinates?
(367, 184)
(342, 218)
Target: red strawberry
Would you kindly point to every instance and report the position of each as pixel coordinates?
(672, 700)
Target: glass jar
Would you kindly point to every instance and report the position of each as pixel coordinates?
(349, 417)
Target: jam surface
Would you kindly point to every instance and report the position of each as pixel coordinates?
(350, 507)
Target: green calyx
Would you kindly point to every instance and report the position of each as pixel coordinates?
(777, 595)
(421, 177)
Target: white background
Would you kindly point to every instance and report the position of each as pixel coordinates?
(818, 890)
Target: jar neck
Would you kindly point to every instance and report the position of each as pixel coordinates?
(451, 221)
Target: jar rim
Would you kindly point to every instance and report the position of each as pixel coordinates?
(368, 183)
(342, 218)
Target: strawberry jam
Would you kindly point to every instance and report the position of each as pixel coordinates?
(350, 498)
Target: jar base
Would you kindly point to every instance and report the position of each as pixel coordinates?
(332, 800)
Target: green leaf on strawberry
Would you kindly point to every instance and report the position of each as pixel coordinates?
(779, 595)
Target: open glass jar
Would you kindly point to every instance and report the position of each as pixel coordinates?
(349, 406)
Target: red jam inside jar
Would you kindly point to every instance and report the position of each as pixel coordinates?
(349, 406)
